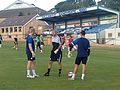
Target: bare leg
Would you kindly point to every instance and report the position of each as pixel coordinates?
(59, 68)
(49, 68)
(74, 71)
(29, 67)
(83, 71)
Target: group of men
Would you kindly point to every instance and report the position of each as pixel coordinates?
(83, 51)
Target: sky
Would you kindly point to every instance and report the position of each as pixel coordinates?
(43, 4)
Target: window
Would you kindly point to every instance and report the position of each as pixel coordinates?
(11, 29)
(118, 34)
(15, 29)
(2, 30)
(20, 29)
(6, 30)
(109, 34)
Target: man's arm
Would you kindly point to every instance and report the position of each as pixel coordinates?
(88, 51)
(31, 50)
(74, 43)
(88, 48)
(60, 46)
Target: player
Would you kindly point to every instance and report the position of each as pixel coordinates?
(0, 41)
(83, 51)
(16, 42)
(38, 41)
(30, 51)
(42, 42)
(56, 53)
(70, 46)
(63, 41)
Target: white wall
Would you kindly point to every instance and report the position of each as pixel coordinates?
(91, 37)
(114, 39)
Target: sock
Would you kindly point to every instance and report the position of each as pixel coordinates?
(48, 70)
(68, 53)
(40, 50)
(0, 45)
(73, 76)
(60, 71)
(33, 71)
(28, 72)
(82, 76)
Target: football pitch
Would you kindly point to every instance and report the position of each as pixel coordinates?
(103, 70)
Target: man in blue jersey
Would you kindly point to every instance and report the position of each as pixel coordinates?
(30, 51)
(83, 51)
(56, 53)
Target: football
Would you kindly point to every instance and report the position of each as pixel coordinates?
(70, 74)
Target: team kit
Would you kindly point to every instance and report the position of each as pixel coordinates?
(81, 45)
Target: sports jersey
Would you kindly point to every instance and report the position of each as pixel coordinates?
(83, 46)
(42, 39)
(29, 40)
(37, 39)
(63, 39)
(70, 40)
(56, 41)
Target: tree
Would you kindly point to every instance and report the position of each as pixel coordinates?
(113, 4)
(73, 4)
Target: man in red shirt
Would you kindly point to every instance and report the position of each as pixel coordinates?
(63, 41)
(70, 40)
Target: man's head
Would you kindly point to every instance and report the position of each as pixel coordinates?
(31, 30)
(54, 33)
(82, 33)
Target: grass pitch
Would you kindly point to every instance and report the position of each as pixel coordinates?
(103, 70)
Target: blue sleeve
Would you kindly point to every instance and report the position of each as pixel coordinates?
(30, 40)
(75, 41)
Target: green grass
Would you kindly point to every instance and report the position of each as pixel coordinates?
(103, 70)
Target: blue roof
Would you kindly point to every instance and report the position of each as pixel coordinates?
(76, 14)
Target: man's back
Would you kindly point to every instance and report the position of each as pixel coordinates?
(83, 45)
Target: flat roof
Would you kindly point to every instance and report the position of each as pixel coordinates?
(76, 14)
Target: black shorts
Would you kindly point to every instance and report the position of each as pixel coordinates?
(16, 43)
(71, 46)
(29, 56)
(56, 57)
(38, 44)
(79, 59)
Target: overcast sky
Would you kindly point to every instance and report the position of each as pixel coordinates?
(43, 4)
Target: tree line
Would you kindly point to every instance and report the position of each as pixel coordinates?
(75, 4)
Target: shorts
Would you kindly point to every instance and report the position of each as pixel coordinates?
(29, 56)
(56, 57)
(16, 43)
(38, 44)
(70, 46)
(79, 59)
